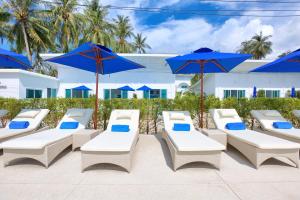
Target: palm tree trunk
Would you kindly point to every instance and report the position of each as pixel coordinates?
(26, 42)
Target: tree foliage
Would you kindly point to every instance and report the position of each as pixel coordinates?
(259, 46)
(36, 26)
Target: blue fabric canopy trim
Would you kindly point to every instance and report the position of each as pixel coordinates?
(126, 88)
(293, 92)
(214, 62)
(85, 56)
(254, 95)
(144, 88)
(12, 60)
(289, 63)
(82, 87)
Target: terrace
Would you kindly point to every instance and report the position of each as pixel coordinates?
(151, 178)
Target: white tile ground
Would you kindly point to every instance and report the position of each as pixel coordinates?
(151, 178)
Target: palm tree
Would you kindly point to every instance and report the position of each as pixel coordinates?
(140, 43)
(5, 26)
(284, 54)
(66, 23)
(29, 31)
(97, 28)
(123, 31)
(259, 46)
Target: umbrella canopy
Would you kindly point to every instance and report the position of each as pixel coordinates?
(82, 87)
(293, 92)
(85, 57)
(126, 88)
(205, 60)
(9, 59)
(144, 88)
(289, 63)
(215, 62)
(254, 95)
(95, 58)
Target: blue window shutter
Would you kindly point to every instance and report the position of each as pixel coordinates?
(146, 94)
(53, 93)
(29, 93)
(106, 94)
(85, 94)
(124, 94)
(163, 94)
(49, 93)
(226, 94)
(68, 93)
(38, 94)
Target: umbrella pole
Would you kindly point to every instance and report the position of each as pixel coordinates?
(96, 101)
(201, 95)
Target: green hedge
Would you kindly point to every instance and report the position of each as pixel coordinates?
(188, 102)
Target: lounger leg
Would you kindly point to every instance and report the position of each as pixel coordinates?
(5, 164)
(295, 159)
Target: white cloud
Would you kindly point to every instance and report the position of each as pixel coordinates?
(181, 36)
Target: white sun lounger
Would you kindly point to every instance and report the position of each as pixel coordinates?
(113, 147)
(33, 116)
(255, 146)
(266, 118)
(189, 146)
(44, 146)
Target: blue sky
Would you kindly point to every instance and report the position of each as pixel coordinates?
(169, 32)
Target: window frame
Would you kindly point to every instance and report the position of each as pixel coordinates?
(34, 94)
(239, 93)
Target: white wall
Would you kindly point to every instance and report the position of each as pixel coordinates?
(17, 81)
(182, 79)
(209, 85)
(156, 75)
(246, 81)
(34, 82)
(215, 84)
(9, 85)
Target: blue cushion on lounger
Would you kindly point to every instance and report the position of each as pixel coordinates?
(120, 128)
(181, 127)
(69, 125)
(236, 126)
(282, 125)
(18, 124)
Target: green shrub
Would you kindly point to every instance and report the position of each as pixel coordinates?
(261, 93)
(152, 109)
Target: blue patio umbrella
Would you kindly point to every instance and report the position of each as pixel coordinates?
(205, 60)
(145, 88)
(82, 87)
(126, 88)
(293, 92)
(9, 59)
(289, 64)
(98, 59)
(254, 95)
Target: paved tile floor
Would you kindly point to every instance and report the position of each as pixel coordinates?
(151, 178)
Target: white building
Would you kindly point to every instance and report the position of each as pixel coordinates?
(19, 84)
(157, 75)
(240, 83)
